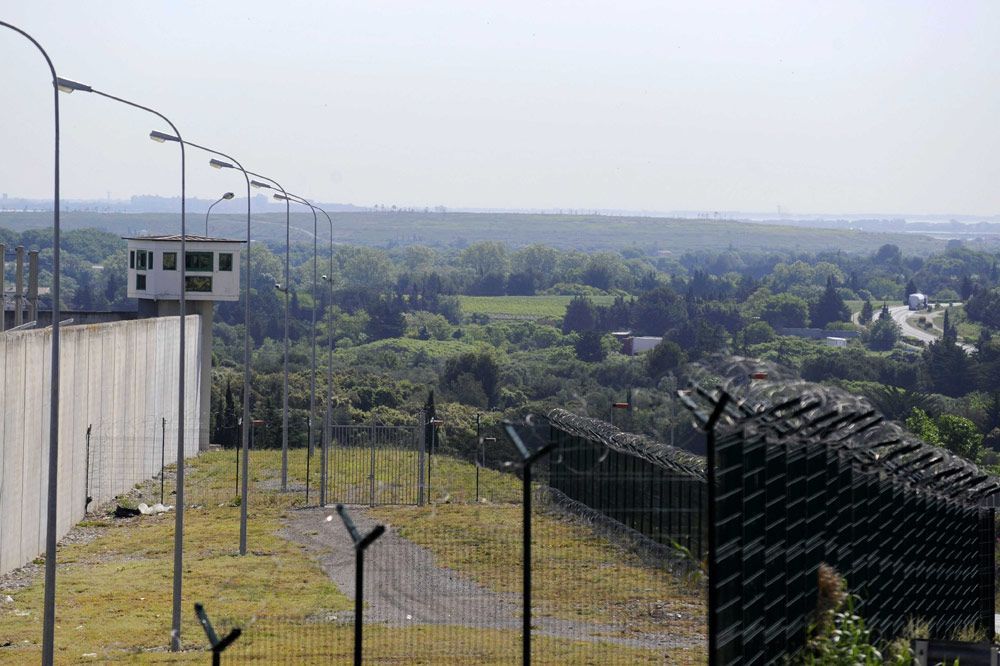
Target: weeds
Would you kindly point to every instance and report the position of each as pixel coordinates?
(838, 636)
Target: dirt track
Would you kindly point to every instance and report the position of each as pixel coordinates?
(404, 586)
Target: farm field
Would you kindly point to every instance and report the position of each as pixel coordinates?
(523, 307)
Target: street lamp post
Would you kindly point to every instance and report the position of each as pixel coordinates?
(285, 289)
(245, 427)
(65, 85)
(284, 395)
(324, 442)
(312, 333)
(329, 372)
(49, 610)
(225, 197)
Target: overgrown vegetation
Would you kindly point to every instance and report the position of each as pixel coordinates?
(838, 636)
(507, 330)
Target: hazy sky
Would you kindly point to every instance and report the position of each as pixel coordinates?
(841, 106)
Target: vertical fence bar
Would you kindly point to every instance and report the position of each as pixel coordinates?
(163, 454)
(479, 446)
(526, 562)
(371, 475)
(713, 565)
(237, 474)
(421, 446)
(86, 479)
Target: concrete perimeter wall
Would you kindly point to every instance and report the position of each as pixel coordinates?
(120, 379)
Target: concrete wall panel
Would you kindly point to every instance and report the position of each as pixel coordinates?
(120, 379)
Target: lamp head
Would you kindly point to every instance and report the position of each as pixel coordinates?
(160, 137)
(219, 164)
(257, 183)
(281, 197)
(68, 86)
(228, 195)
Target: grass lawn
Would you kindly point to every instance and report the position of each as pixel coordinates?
(114, 593)
(526, 307)
(855, 306)
(114, 581)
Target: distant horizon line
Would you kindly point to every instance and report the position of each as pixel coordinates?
(17, 204)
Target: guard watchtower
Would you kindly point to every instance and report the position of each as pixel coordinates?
(212, 273)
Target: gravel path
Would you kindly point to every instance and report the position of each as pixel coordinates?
(404, 586)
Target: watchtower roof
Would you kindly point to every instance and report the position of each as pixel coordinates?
(189, 237)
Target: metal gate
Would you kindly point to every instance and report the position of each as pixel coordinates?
(374, 464)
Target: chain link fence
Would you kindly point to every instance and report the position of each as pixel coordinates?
(445, 584)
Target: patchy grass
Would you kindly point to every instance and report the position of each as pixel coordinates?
(577, 575)
(396, 474)
(114, 592)
(526, 307)
(424, 644)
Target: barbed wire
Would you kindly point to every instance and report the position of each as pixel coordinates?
(768, 401)
(640, 446)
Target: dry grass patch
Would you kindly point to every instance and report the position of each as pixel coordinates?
(577, 574)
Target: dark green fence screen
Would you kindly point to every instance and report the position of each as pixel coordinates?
(805, 475)
(652, 488)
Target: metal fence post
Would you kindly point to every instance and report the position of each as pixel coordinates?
(324, 443)
(479, 447)
(86, 479)
(218, 646)
(529, 458)
(309, 425)
(361, 544)
(713, 564)
(371, 477)
(421, 447)
(237, 470)
(163, 453)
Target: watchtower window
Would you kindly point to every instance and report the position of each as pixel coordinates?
(144, 260)
(131, 259)
(170, 261)
(197, 283)
(225, 261)
(140, 282)
(199, 262)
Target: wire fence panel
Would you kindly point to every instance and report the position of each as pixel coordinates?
(649, 487)
(811, 477)
(372, 465)
(443, 585)
(610, 593)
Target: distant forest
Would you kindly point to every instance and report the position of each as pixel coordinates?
(587, 233)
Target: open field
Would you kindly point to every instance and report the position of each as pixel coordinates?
(523, 307)
(113, 593)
